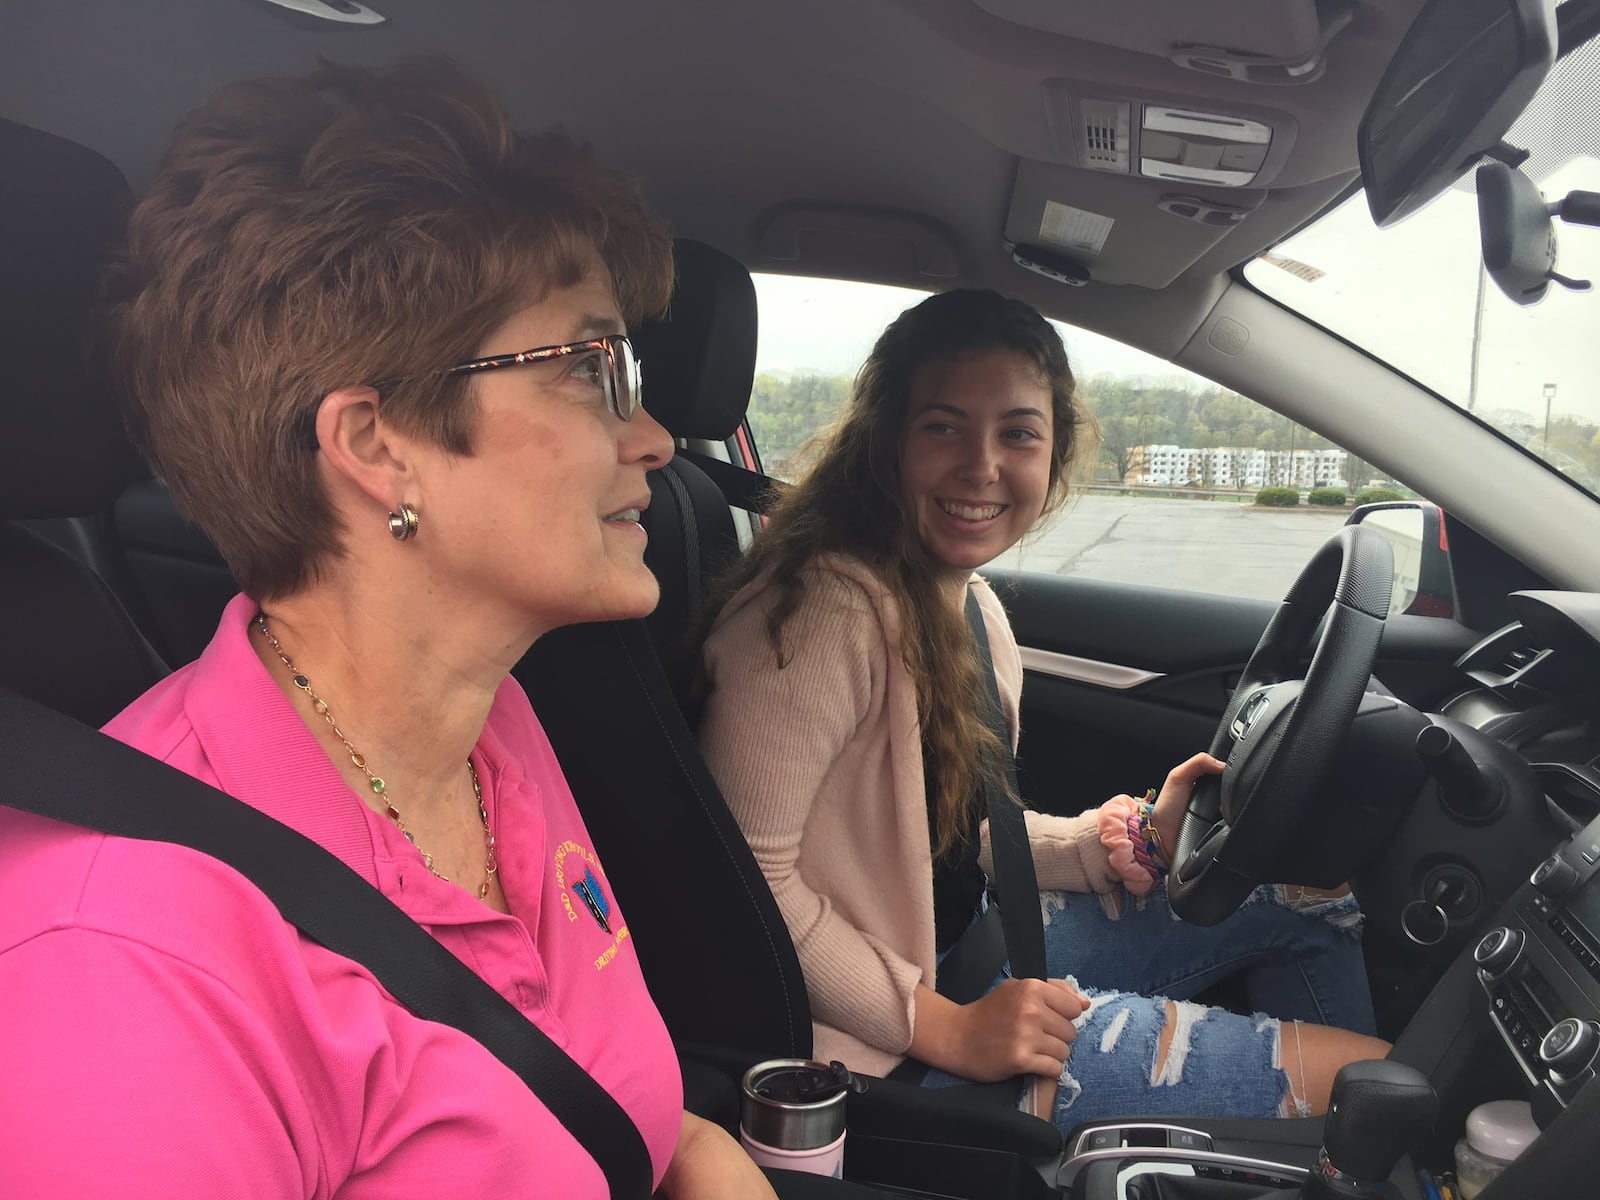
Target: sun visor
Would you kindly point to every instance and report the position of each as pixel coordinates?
(1158, 231)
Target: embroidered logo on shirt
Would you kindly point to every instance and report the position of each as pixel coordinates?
(594, 898)
(590, 895)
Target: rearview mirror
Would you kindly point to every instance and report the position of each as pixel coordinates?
(1414, 529)
(1463, 74)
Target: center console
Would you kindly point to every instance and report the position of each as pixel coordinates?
(1378, 1111)
(1535, 973)
(1540, 969)
(1112, 1162)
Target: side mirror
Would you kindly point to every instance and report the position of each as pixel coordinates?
(1414, 529)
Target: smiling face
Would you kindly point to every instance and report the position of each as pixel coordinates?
(975, 455)
(540, 523)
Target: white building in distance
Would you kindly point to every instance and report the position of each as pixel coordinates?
(1237, 467)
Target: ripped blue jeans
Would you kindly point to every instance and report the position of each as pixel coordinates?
(1298, 964)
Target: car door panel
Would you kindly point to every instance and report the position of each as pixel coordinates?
(1124, 681)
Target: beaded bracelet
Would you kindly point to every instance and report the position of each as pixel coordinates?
(1148, 851)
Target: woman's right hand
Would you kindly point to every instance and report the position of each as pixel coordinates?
(1022, 1027)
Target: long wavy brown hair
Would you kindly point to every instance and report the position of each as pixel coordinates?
(849, 502)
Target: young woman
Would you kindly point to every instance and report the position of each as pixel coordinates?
(376, 342)
(843, 724)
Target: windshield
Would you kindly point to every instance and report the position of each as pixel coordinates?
(1416, 295)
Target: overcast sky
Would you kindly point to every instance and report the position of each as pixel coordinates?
(1408, 295)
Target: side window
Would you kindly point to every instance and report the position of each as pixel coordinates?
(1194, 487)
(814, 336)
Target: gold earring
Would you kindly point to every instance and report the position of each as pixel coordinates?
(403, 524)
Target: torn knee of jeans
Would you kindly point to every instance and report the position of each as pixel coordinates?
(1294, 1103)
(1337, 907)
(1167, 1063)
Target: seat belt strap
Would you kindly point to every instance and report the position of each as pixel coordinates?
(52, 766)
(749, 490)
(1015, 884)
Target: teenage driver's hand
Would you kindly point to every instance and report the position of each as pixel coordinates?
(1174, 797)
(1023, 1027)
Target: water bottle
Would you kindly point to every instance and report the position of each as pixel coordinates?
(791, 1114)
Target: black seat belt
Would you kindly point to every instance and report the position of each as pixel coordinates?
(742, 488)
(54, 767)
(1015, 884)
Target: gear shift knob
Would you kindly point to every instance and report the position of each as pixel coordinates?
(1378, 1111)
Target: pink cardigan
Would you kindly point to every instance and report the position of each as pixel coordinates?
(821, 764)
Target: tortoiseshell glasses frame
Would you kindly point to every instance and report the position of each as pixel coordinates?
(619, 377)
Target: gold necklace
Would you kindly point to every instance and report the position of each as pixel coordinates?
(380, 789)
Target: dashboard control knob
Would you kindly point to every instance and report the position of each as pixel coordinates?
(1498, 950)
(1568, 1048)
(1555, 877)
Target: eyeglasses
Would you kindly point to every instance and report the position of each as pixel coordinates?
(619, 369)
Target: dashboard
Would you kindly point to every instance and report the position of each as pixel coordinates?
(1533, 691)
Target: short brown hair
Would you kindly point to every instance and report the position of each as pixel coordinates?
(342, 229)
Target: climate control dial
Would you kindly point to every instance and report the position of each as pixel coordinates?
(1568, 1048)
(1555, 877)
(1498, 950)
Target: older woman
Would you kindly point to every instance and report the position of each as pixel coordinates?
(375, 342)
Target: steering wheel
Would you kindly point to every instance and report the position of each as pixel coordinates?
(1279, 732)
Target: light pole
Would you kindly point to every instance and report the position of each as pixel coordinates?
(1549, 395)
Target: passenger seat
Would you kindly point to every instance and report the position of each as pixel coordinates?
(715, 951)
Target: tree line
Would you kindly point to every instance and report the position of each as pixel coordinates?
(787, 410)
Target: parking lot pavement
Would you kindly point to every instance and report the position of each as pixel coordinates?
(1195, 545)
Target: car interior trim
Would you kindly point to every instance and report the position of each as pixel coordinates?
(1085, 670)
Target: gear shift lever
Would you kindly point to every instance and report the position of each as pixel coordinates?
(1378, 1111)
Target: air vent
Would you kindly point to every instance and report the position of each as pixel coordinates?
(1103, 132)
(1508, 657)
(1517, 658)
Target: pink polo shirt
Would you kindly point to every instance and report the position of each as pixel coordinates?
(164, 1033)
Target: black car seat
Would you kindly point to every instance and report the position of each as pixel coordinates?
(175, 573)
(70, 642)
(714, 947)
(698, 363)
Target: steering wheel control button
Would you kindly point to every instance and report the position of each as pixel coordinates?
(1498, 950)
(1568, 1048)
(1249, 713)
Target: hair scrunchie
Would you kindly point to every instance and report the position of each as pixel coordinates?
(1121, 824)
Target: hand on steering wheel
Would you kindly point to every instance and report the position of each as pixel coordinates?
(1279, 732)
(1173, 800)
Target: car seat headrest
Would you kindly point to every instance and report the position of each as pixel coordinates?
(63, 209)
(699, 359)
